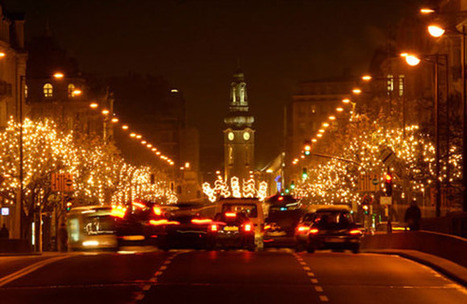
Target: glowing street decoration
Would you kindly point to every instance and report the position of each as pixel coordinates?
(221, 189)
(234, 184)
(100, 174)
(249, 188)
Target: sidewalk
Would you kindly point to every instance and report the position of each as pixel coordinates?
(450, 269)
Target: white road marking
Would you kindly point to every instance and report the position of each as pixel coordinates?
(31, 268)
(323, 298)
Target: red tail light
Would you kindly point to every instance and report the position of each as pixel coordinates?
(314, 230)
(355, 231)
(303, 229)
(230, 214)
(213, 228)
(248, 227)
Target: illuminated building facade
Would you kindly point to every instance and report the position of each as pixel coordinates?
(239, 134)
(311, 105)
(12, 65)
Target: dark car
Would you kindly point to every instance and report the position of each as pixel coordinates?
(231, 230)
(184, 230)
(301, 230)
(134, 223)
(279, 227)
(333, 229)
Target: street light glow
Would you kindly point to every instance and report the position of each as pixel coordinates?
(339, 109)
(332, 117)
(2, 54)
(346, 100)
(319, 135)
(412, 60)
(435, 30)
(125, 127)
(139, 136)
(132, 135)
(76, 92)
(58, 75)
(94, 105)
(426, 11)
(314, 140)
(356, 91)
(114, 120)
(325, 124)
(366, 77)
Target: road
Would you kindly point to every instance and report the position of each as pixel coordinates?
(188, 276)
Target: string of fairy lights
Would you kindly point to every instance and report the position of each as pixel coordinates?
(100, 174)
(132, 134)
(336, 180)
(247, 189)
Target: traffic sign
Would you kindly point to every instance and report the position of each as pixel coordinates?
(369, 182)
(62, 182)
(385, 200)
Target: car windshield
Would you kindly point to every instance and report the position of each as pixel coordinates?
(249, 209)
(333, 218)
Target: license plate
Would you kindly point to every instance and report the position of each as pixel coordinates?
(334, 240)
(231, 228)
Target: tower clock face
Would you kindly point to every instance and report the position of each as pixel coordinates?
(246, 136)
(230, 136)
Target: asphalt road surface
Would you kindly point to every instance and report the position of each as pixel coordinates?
(188, 276)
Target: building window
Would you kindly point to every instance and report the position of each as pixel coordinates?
(401, 85)
(71, 89)
(48, 90)
(390, 83)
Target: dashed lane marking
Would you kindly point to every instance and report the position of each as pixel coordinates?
(319, 288)
(310, 274)
(314, 281)
(323, 298)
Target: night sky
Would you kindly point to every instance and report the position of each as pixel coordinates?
(196, 45)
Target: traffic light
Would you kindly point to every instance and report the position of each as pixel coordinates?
(68, 206)
(292, 185)
(366, 208)
(388, 183)
(304, 173)
(307, 148)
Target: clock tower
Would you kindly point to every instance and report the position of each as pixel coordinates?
(239, 135)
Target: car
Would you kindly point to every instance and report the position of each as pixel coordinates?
(231, 230)
(280, 226)
(183, 230)
(251, 207)
(301, 230)
(333, 229)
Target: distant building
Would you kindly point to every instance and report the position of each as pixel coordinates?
(12, 65)
(239, 134)
(64, 98)
(152, 107)
(311, 105)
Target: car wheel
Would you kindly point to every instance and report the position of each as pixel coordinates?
(299, 247)
(356, 249)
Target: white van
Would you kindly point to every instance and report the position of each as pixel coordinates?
(252, 207)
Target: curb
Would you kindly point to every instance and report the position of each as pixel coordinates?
(451, 275)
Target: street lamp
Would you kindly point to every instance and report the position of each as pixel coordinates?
(414, 60)
(437, 31)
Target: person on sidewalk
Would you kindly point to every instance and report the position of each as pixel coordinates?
(413, 216)
(4, 233)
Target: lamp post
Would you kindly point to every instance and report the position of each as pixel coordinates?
(19, 208)
(438, 31)
(413, 60)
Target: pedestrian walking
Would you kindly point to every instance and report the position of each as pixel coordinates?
(4, 233)
(413, 216)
